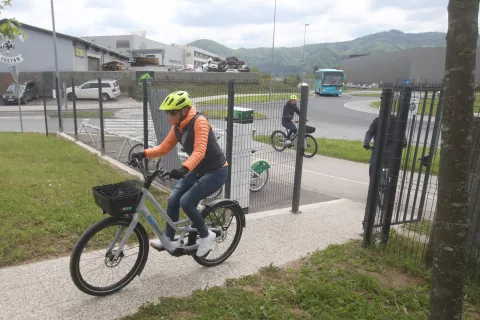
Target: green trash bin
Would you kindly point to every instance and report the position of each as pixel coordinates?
(242, 115)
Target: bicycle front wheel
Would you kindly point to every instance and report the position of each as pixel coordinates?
(277, 140)
(311, 146)
(96, 255)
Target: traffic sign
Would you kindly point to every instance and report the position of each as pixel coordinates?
(14, 71)
(406, 82)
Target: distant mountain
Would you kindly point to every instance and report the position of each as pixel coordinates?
(324, 55)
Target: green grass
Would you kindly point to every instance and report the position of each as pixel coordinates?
(341, 282)
(366, 94)
(222, 114)
(249, 99)
(83, 114)
(46, 201)
(428, 106)
(423, 227)
(353, 151)
(203, 89)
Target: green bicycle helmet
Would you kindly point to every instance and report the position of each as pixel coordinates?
(176, 101)
(293, 97)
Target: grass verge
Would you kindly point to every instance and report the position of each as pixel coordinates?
(353, 151)
(83, 114)
(46, 201)
(341, 282)
(249, 99)
(421, 227)
(366, 94)
(222, 114)
(428, 106)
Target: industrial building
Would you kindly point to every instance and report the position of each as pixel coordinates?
(198, 57)
(417, 64)
(172, 56)
(35, 53)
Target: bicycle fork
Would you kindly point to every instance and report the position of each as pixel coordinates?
(125, 238)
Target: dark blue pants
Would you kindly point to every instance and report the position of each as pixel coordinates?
(292, 129)
(188, 192)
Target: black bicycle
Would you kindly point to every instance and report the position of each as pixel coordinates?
(278, 141)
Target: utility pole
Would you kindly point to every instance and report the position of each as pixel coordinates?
(57, 73)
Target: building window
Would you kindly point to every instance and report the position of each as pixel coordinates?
(79, 52)
(188, 54)
(123, 43)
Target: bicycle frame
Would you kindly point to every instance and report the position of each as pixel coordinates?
(142, 210)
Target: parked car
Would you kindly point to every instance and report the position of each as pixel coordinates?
(28, 91)
(89, 90)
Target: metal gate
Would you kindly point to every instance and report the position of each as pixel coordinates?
(403, 184)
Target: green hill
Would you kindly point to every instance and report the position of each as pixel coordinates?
(324, 55)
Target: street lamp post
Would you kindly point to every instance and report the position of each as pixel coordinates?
(304, 36)
(57, 74)
(273, 46)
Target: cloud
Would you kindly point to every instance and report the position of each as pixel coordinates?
(247, 23)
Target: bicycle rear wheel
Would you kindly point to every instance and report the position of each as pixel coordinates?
(311, 146)
(103, 248)
(226, 219)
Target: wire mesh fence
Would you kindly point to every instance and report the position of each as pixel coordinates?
(242, 116)
(402, 199)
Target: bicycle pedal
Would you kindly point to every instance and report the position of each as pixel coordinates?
(156, 248)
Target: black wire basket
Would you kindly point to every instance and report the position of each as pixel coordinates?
(118, 199)
(309, 129)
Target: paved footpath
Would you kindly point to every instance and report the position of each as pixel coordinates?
(44, 290)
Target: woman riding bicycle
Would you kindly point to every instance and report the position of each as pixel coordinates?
(203, 173)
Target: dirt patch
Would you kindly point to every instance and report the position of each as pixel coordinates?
(472, 312)
(253, 289)
(390, 278)
(393, 278)
(295, 264)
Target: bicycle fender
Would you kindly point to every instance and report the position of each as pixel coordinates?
(259, 166)
(226, 202)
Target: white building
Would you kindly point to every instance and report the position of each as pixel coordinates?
(137, 45)
(198, 57)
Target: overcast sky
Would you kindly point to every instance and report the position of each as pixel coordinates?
(246, 23)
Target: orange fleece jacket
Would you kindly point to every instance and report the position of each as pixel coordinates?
(201, 129)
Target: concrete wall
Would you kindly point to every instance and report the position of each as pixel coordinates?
(378, 67)
(38, 54)
(125, 79)
(424, 64)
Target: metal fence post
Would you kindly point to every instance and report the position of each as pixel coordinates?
(59, 104)
(370, 207)
(74, 102)
(229, 142)
(396, 159)
(45, 109)
(145, 118)
(102, 129)
(300, 148)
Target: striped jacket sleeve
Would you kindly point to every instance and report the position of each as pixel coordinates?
(201, 129)
(163, 148)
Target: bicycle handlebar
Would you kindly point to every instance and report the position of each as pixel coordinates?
(161, 174)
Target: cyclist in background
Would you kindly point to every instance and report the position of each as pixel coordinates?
(289, 110)
(203, 173)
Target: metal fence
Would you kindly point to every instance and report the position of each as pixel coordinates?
(402, 196)
(242, 115)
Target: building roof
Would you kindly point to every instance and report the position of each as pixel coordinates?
(62, 35)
